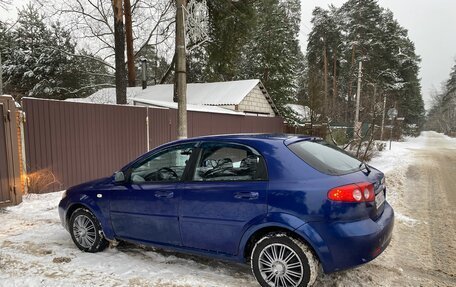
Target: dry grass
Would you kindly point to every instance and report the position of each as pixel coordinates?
(42, 181)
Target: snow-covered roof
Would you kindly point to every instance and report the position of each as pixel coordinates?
(108, 96)
(190, 107)
(199, 95)
(300, 111)
(212, 94)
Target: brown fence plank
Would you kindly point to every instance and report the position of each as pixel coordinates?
(10, 174)
(4, 186)
(78, 142)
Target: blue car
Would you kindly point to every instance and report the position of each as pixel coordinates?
(286, 204)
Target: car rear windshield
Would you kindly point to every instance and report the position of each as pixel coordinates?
(325, 157)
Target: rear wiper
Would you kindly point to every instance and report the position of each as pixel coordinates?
(365, 165)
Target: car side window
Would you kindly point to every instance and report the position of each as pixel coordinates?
(229, 162)
(165, 166)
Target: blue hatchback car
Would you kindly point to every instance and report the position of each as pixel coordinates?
(286, 204)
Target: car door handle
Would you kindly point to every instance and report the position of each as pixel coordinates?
(164, 194)
(247, 195)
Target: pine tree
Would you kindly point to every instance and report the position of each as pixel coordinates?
(252, 40)
(363, 31)
(442, 115)
(230, 26)
(41, 61)
(323, 54)
(273, 53)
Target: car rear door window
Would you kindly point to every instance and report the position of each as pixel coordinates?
(325, 157)
(229, 162)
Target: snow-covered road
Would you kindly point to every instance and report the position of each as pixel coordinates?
(37, 251)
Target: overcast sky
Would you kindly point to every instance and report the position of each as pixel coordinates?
(431, 25)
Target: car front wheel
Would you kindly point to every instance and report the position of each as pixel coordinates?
(86, 231)
(278, 260)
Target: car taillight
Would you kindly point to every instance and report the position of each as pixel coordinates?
(357, 192)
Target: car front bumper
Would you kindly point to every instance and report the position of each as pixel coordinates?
(344, 245)
(62, 213)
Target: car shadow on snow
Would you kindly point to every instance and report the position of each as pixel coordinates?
(163, 256)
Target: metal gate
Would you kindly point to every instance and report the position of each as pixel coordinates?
(10, 184)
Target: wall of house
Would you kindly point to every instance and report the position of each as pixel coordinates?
(255, 101)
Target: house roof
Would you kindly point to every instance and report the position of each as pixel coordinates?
(108, 96)
(198, 94)
(190, 107)
(212, 94)
(302, 113)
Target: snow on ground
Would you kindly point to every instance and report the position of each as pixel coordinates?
(37, 251)
(394, 164)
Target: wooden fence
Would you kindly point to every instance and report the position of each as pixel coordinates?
(69, 143)
(10, 173)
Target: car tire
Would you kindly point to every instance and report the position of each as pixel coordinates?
(86, 232)
(278, 260)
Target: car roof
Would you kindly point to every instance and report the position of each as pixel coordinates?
(260, 137)
(246, 138)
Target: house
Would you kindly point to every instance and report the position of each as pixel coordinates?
(244, 97)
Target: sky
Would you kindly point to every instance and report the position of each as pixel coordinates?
(431, 25)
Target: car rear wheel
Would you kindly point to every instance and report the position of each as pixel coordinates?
(86, 231)
(278, 260)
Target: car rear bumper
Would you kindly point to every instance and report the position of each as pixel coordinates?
(348, 244)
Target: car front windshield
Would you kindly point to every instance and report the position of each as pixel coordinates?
(325, 157)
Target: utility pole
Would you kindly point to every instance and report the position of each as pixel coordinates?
(383, 117)
(358, 94)
(129, 38)
(180, 84)
(1, 72)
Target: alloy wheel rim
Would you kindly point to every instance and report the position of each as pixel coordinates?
(280, 266)
(84, 231)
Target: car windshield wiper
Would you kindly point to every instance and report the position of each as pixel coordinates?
(366, 166)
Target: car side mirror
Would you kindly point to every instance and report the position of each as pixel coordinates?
(119, 177)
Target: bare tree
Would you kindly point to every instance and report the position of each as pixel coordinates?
(91, 22)
(119, 49)
(4, 4)
(129, 38)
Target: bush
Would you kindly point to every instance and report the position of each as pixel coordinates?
(42, 181)
(339, 135)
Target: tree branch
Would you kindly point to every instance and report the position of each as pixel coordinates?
(168, 71)
(83, 56)
(84, 88)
